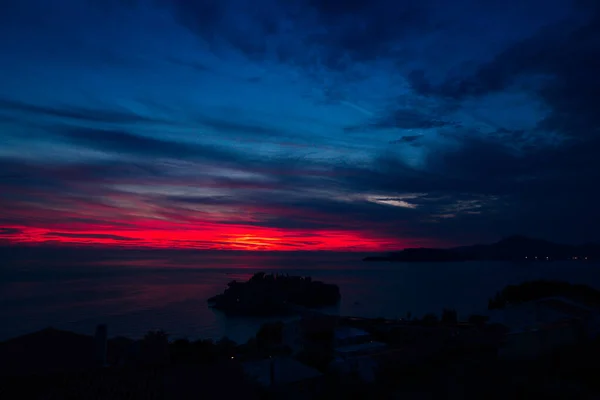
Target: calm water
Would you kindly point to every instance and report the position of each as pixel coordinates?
(135, 295)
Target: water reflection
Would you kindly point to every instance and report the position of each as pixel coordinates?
(132, 298)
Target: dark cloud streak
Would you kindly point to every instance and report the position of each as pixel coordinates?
(88, 236)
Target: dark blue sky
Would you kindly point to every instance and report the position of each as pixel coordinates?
(299, 124)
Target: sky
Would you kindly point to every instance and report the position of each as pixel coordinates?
(364, 125)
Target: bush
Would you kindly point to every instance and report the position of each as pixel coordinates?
(429, 319)
(449, 316)
(154, 347)
(534, 290)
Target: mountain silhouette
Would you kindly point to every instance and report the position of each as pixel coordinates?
(511, 248)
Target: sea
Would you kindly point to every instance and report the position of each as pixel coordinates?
(142, 293)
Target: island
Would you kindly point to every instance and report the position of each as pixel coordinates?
(512, 248)
(274, 295)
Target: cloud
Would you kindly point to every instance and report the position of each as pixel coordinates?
(410, 139)
(556, 63)
(409, 119)
(73, 113)
(366, 30)
(132, 144)
(392, 202)
(305, 32)
(10, 231)
(404, 119)
(229, 125)
(88, 236)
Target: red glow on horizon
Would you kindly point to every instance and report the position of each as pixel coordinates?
(130, 223)
(210, 236)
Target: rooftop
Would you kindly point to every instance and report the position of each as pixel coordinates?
(566, 306)
(360, 348)
(347, 332)
(287, 370)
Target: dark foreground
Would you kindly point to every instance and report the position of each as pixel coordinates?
(550, 351)
(422, 361)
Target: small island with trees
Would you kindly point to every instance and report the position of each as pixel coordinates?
(274, 295)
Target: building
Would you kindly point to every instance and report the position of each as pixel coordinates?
(353, 351)
(347, 335)
(311, 331)
(292, 337)
(284, 375)
(539, 326)
(350, 347)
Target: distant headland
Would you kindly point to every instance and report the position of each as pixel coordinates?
(512, 248)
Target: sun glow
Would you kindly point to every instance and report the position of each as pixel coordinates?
(253, 242)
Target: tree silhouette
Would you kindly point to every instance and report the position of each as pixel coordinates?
(155, 347)
(429, 319)
(449, 316)
(534, 290)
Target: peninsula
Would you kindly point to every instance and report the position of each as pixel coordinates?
(513, 248)
(274, 294)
